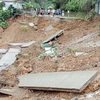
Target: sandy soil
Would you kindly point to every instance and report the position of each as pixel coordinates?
(28, 62)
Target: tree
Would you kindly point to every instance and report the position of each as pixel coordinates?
(80, 5)
(2, 4)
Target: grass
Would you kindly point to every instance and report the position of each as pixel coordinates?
(24, 27)
(80, 15)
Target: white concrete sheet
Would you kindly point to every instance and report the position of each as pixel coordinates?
(22, 44)
(3, 51)
(28, 44)
(9, 58)
(58, 33)
(59, 81)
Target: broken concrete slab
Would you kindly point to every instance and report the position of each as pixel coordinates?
(7, 91)
(15, 44)
(57, 34)
(9, 58)
(15, 91)
(80, 53)
(75, 81)
(50, 27)
(28, 44)
(2, 51)
(54, 36)
(23, 45)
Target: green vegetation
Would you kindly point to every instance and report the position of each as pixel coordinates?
(3, 24)
(24, 27)
(72, 5)
(78, 8)
(69, 50)
(6, 14)
(90, 15)
(76, 14)
(99, 29)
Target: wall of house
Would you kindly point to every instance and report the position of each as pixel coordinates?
(16, 5)
(97, 7)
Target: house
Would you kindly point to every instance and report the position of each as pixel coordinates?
(97, 6)
(15, 3)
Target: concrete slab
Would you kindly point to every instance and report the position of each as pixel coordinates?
(23, 45)
(75, 81)
(15, 44)
(3, 51)
(15, 91)
(53, 36)
(9, 58)
(80, 53)
(28, 44)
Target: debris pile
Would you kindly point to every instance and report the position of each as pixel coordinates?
(64, 49)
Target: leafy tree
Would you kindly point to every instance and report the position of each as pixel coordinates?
(80, 5)
(2, 4)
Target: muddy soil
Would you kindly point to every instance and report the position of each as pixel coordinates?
(28, 60)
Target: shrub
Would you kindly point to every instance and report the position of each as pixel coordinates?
(24, 27)
(4, 24)
(69, 50)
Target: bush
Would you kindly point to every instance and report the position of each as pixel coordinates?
(90, 15)
(72, 6)
(24, 27)
(2, 4)
(6, 14)
(4, 24)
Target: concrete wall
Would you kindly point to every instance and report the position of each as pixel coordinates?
(97, 7)
(15, 4)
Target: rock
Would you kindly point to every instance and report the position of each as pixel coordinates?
(31, 24)
(49, 28)
(36, 27)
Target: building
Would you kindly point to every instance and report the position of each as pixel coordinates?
(15, 3)
(97, 6)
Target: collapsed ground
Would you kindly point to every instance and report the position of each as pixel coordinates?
(28, 60)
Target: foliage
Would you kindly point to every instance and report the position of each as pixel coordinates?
(41, 56)
(99, 29)
(28, 4)
(69, 50)
(3, 24)
(90, 15)
(24, 27)
(13, 11)
(35, 5)
(79, 5)
(2, 4)
(5, 14)
(73, 5)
